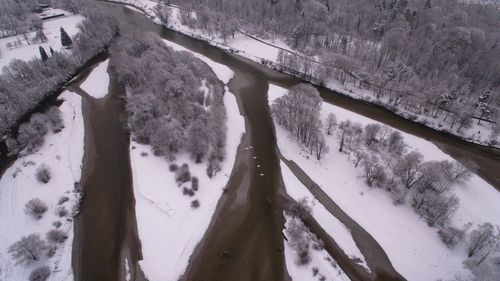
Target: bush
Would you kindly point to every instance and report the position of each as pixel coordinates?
(173, 167)
(51, 251)
(43, 174)
(57, 224)
(195, 204)
(62, 211)
(194, 183)
(62, 200)
(56, 236)
(35, 208)
(183, 175)
(40, 274)
(54, 116)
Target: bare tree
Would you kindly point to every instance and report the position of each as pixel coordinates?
(28, 249)
(331, 123)
(373, 172)
(298, 240)
(483, 239)
(441, 208)
(371, 132)
(35, 208)
(409, 171)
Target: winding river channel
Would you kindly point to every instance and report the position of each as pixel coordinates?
(247, 226)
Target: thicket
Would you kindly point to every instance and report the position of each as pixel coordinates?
(168, 108)
(298, 112)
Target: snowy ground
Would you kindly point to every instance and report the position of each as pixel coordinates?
(63, 154)
(169, 229)
(394, 227)
(97, 83)
(50, 28)
(320, 259)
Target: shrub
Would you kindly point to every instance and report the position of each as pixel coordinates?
(51, 251)
(40, 274)
(195, 204)
(173, 167)
(54, 116)
(62, 211)
(43, 174)
(35, 208)
(183, 175)
(194, 183)
(57, 224)
(62, 200)
(56, 236)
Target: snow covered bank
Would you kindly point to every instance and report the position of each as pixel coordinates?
(338, 231)
(97, 83)
(321, 264)
(27, 51)
(414, 249)
(62, 153)
(169, 225)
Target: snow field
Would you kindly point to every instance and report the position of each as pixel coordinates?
(50, 28)
(97, 83)
(63, 154)
(169, 228)
(414, 249)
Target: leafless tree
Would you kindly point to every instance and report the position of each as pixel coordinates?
(28, 249)
(35, 208)
(483, 239)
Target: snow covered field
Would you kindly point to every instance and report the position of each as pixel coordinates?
(63, 154)
(97, 83)
(51, 29)
(169, 228)
(320, 260)
(414, 249)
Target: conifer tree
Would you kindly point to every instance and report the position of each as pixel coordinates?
(65, 39)
(43, 54)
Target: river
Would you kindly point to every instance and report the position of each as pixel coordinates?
(244, 240)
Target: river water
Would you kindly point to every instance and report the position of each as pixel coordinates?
(248, 222)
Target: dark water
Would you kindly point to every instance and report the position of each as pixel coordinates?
(105, 229)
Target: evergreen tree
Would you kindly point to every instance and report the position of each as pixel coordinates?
(65, 39)
(51, 51)
(43, 54)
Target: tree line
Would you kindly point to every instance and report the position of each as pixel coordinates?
(436, 58)
(23, 85)
(174, 100)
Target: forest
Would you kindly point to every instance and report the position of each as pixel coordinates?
(174, 100)
(433, 58)
(23, 85)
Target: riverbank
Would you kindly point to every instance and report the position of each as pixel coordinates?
(62, 153)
